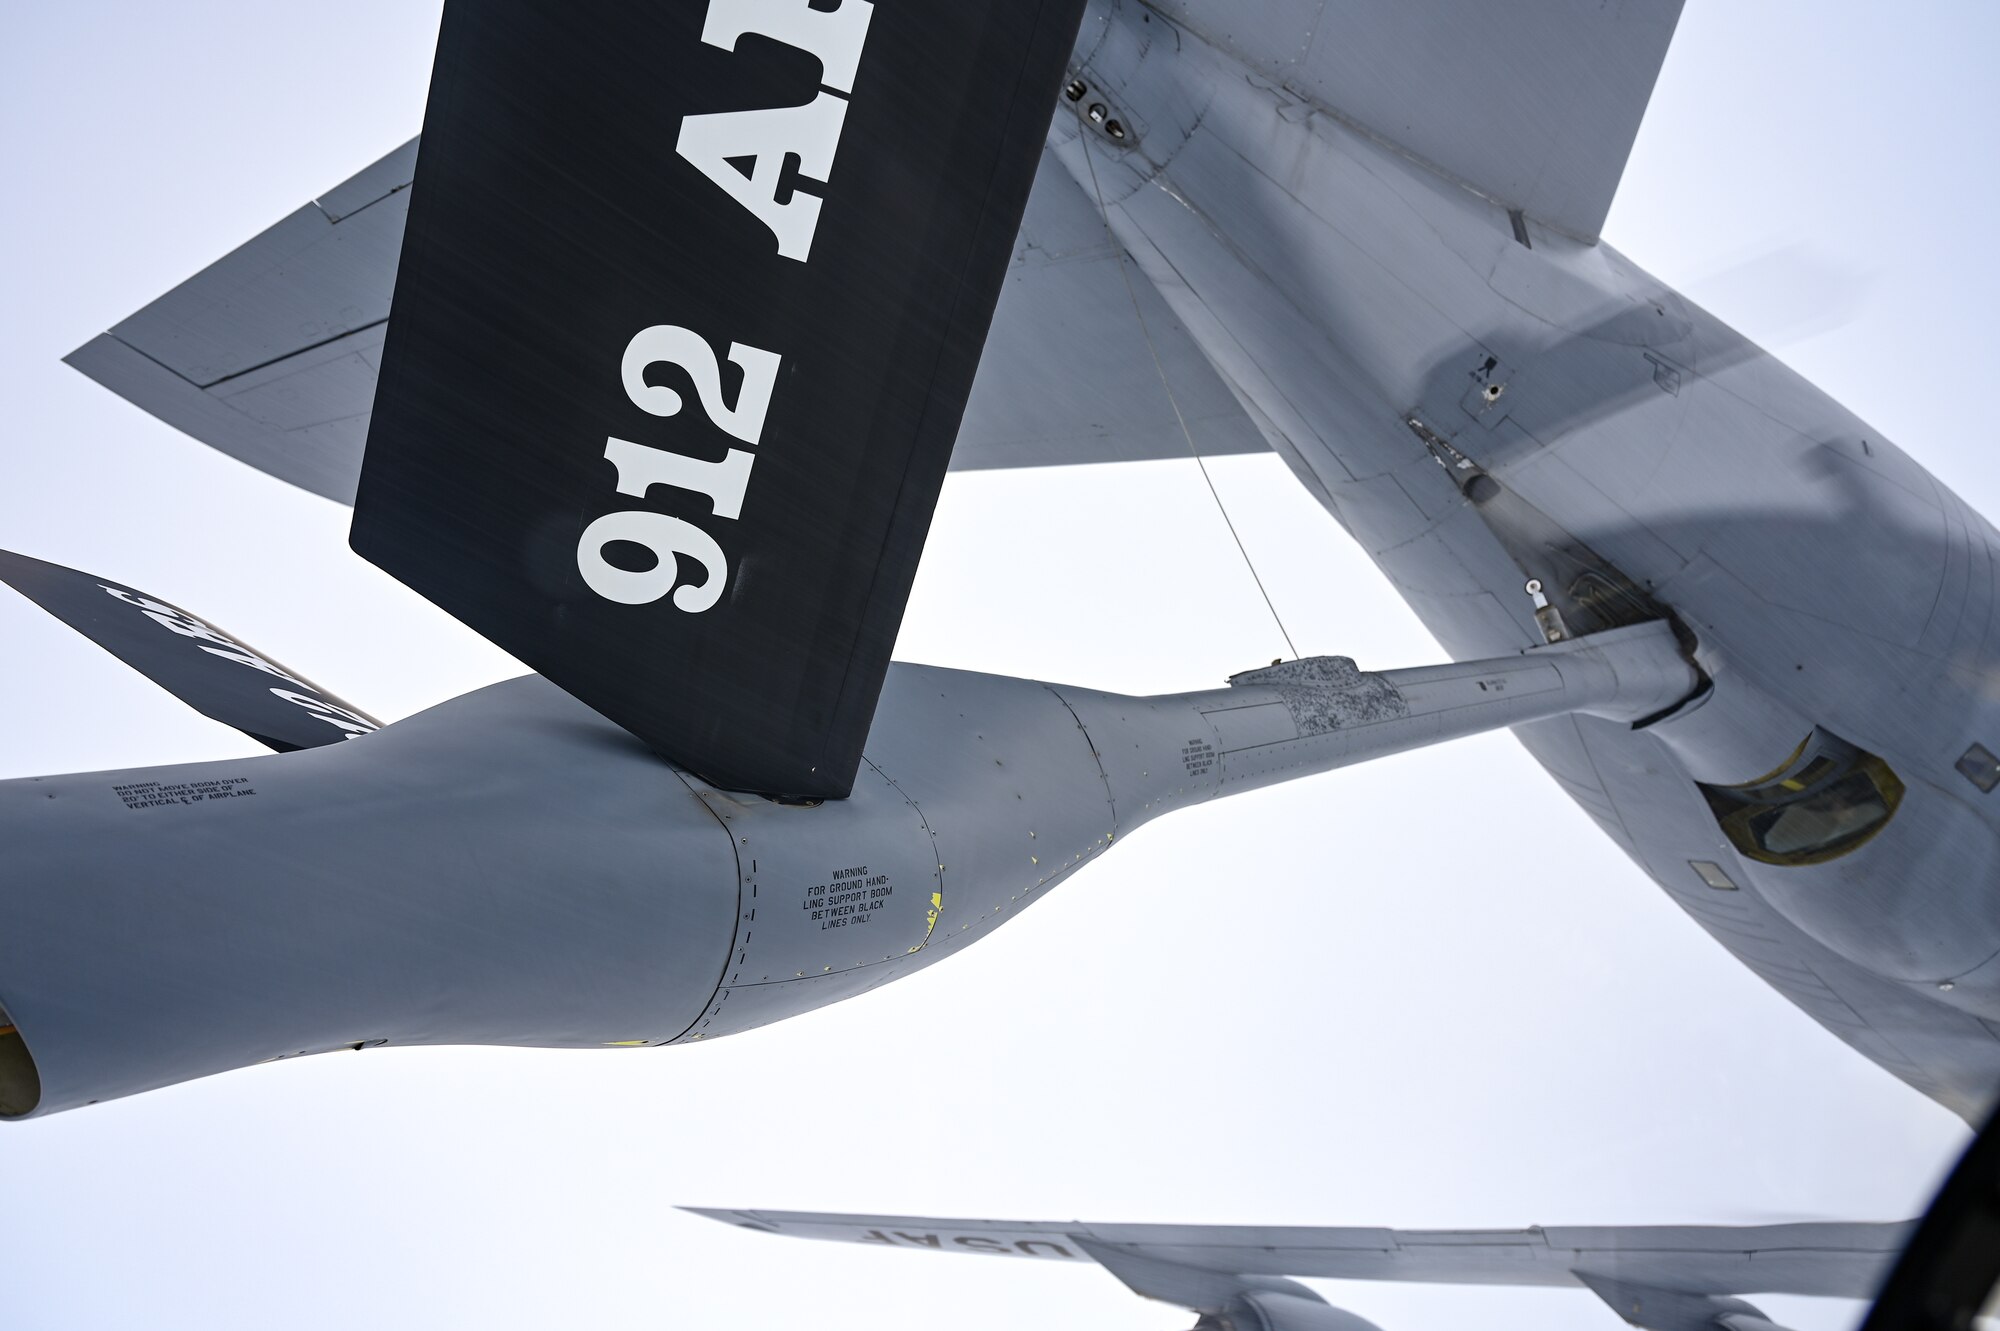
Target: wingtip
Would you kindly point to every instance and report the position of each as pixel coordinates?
(739, 1219)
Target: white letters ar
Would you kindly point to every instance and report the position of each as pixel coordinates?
(715, 144)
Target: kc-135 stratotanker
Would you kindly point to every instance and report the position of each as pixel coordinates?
(663, 405)
(682, 461)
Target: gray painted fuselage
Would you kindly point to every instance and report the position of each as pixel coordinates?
(1342, 288)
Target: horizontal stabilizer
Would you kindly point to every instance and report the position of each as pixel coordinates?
(204, 667)
(688, 310)
(270, 353)
(1828, 1259)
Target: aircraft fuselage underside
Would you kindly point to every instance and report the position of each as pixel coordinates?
(1394, 333)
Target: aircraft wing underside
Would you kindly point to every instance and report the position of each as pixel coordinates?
(271, 353)
(1660, 1276)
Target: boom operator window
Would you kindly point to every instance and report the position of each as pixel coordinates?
(1824, 801)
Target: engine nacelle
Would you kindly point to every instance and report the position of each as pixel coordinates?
(1270, 1311)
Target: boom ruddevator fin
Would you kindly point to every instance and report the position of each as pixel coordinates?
(217, 675)
(689, 306)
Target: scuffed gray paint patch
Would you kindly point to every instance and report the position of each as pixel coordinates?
(1325, 693)
(1334, 670)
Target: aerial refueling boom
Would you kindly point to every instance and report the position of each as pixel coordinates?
(510, 868)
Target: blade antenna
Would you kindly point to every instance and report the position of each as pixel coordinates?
(1104, 215)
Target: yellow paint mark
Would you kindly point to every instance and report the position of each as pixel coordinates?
(625, 1044)
(931, 918)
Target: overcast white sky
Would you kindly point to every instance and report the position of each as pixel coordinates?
(1425, 992)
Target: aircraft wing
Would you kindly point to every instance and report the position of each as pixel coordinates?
(1534, 104)
(270, 354)
(1677, 1270)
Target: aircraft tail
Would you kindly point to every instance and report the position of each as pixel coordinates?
(674, 374)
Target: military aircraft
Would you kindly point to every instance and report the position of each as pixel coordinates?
(1238, 1277)
(1663, 1277)
(1545, 449)
(1472, 409)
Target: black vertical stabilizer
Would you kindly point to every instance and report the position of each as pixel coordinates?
(689, 307)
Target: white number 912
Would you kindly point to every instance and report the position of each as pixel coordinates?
(640, 467)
